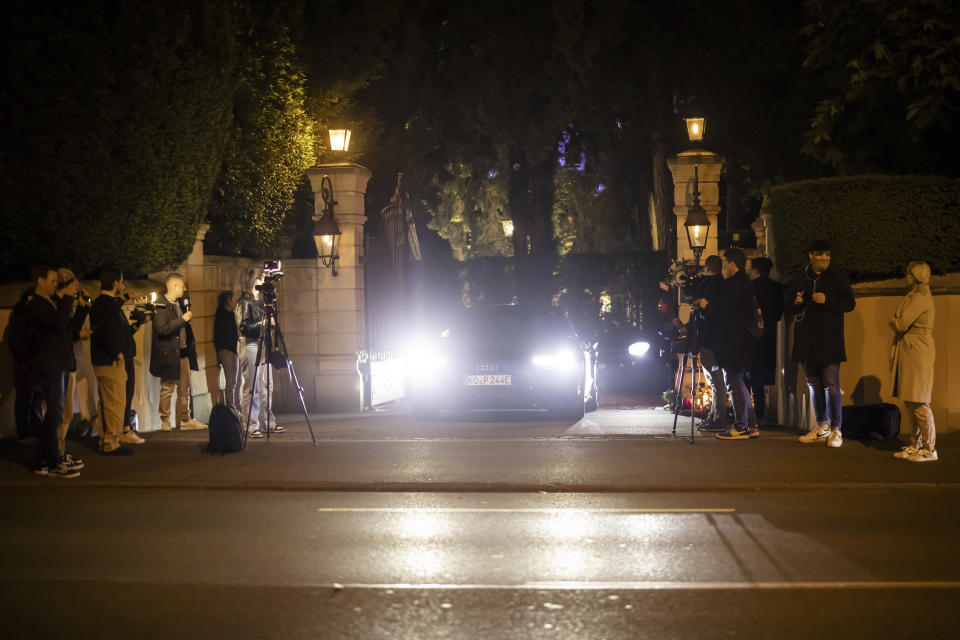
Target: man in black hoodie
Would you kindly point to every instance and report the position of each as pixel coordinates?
(50, 359)
(734, 345)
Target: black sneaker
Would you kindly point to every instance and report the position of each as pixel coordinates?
(74, 464)
(734, 434)
(122, 450)
(63, 471)
(42, 469)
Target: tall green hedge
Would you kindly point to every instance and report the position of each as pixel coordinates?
(875, 224)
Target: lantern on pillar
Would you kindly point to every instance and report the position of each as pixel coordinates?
(339, 139)
(695, 127)
(326, 231)
(697, 223)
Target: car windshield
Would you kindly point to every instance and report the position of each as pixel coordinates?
(512, 324)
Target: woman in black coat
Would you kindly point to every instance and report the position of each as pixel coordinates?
(819, 296)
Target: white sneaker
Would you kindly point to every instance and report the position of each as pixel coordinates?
(834, 440)
(191, 424)
(923, 455)
(166, 427)
(905, 452)
(131, 437)
(815, 435)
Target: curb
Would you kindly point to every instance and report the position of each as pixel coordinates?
(494, 487)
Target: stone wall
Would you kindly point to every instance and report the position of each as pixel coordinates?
(865, 378)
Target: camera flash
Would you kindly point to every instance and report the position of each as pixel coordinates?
(153, 296)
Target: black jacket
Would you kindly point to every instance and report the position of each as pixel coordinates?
(769, 294)
(818, 328)
(251, 316)
(709, 325)
(51, 343)
(734, 347)
(111, 331)
(169, 337)
(225, 332)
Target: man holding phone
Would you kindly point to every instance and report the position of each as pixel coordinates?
(818, 297)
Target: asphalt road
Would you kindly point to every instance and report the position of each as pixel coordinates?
(89, 562)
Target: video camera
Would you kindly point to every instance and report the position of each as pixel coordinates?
(271, 276)
(693, 287)
(144, 311)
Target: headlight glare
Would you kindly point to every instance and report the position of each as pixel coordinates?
(638, 349)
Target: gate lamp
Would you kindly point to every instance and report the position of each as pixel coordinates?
(697, 222)
(695, 127)
(326, 231)
(339, 139)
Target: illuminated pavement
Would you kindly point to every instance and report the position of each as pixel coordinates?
(166, 563)
(610, 527)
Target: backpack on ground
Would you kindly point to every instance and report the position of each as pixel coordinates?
(871, 421)
(226, 434)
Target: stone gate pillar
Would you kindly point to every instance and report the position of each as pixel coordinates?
(323, 314)
(710, 166)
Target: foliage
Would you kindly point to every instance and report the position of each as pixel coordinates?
(272, 142)
(875, 224)
(115, 118)
(892, 76)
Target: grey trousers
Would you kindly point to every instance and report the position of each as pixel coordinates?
(231, 374)
(718, 410)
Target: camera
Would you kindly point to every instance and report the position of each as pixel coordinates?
(694, 287)
(142, 312)
(271, 276)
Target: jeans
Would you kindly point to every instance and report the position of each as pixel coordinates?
(130, 388)
(824, 383)
(256, 404)
(231, 374)
(51, 388)
(742, 404)
(718, 410)
(24, 406)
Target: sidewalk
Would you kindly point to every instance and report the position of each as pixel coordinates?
(391, 452)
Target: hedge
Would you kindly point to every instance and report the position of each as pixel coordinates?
(875, 224)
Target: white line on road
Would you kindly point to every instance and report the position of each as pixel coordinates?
(508, 510)
(664, 586)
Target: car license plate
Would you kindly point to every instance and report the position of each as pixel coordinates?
(489, 380)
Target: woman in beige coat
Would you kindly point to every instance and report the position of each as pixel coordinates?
(913, 358)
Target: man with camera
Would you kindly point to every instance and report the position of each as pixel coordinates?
(170, 355)
(49, 313)
(734, 344)
(819, 296)
(111, 334)
(709, 287)
(253, 314)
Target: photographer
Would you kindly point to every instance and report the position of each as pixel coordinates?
(111, 334)
(169, 355)
(734, 344)
(252, 316)
(68, 284)
(50, 311)
(710, 287)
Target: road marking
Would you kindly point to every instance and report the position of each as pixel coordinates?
(514, 510)
(663, 586)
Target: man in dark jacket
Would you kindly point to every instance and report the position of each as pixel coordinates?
(819, 296)
(734, 344)
(169, 355)
(107, 345)
(769, 295)
(17, 337)
(225, 340)
(708, 327)
(51, 354)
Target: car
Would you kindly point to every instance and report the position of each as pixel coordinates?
(632, 359)
(502, 358)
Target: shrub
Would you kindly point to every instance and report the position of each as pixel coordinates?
(875, 224)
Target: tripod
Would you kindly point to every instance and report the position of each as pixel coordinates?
(272, 351)
(694, 362)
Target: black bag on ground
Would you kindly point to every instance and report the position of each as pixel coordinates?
(226, 434)
(871, 421)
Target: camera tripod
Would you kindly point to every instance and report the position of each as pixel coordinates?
(693, 359)
(272, 351)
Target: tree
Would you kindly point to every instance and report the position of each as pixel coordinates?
(891, 71)
(115, 120)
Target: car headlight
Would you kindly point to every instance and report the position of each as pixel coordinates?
(638, 349)
(561, 360)
(425, 360)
